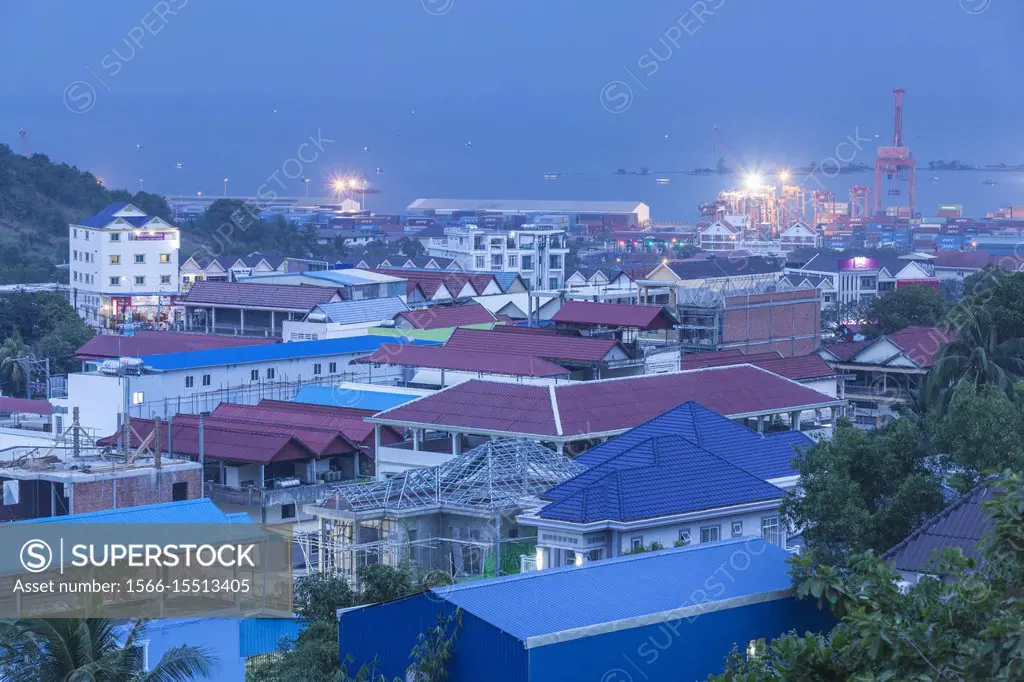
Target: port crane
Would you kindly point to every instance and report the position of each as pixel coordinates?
(24, 142)
(896, 162)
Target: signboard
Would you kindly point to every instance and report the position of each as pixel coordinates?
(858, 263)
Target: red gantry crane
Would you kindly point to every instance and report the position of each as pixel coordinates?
(896, 162)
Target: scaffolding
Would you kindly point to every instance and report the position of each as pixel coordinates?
(458, 517)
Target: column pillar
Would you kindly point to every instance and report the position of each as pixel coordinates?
(832, 410)
(760, 423)
(272, 330)
(213, 319)
(794, 421)
(456, 443)
(416, 438)
(241, 320)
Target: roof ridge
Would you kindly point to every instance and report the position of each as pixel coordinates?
(554, 408)
(939, 516)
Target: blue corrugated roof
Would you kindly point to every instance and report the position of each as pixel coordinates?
(107, 216)
(270, 353)
(378, 401)
(257, 636)
(370, 310)
(186, 511)
(560, 599)
(505, 279)
(661, 476)
(764, 456)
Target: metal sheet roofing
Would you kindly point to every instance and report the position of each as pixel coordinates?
(104, 346)
(800, 368)
(109, 215)
(440, 317)
(961, 524)
(466, 361)
(560, 599)
(920, 343)
(724, 267)
(613, 315)
(765, 456)
(186, 511)
(349, 345)
(262, 296)
(604, 407)
(366, 310)
(429, 281)
(25, 406)
(660, 476)
(550, 346)
(333, 396)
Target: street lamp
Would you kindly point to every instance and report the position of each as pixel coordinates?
(225, 186)
(305, 181)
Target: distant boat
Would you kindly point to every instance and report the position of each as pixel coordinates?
(662, 181)
(935, 179)
(990, 181)
(551, 176)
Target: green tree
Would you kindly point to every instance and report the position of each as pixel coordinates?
(410, 247)
(997, 300)
(93, 649)
(975, 357)
(383, 583)
(48, 326)
(967, 626)
(12, 372)
(319, 595)
(982, 431)
(839, 313)
(911, 305)
(863, 489)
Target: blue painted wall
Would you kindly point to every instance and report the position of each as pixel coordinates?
(671, 652)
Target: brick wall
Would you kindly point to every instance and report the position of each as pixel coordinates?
(788, 321)
(149, 487)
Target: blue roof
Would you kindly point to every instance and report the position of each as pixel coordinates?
(258, 636)
(505, 279)
(367, 310)
(107, 216)
(661, 476)
(186, 511)
(277, 351)
(766, 457)
(378, 401)
(560, 599)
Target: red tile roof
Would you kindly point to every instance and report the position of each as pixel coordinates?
(141, 343)
(602, 407)
(920, 343)
(552, 347)
(277, 296)
(222, 441)
(349, 422)
(467, 361)
(25, 406)
(847, 351)
(429, 281)
(440, 317)
(800, 368)
(613, 315)
(724, 358)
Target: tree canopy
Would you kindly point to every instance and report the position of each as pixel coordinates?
(41, 324)
(903, 307)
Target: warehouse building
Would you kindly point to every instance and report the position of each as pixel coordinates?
(683, 611)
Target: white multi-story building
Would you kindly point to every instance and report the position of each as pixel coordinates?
(535, 252)
(123, 262)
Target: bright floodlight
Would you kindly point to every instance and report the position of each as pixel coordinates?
(784, 175)
(753, 181)
(339, 185)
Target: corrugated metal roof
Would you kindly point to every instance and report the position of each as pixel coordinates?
(724, 267)
(550, 346)
(258, 636)
(429, 281)
(961, 524)
(348, 345)
(920, 343)
(560, 599)
(366, 310)
(186, 511)
(25, 406)
(332, 396)
(160, 343)
(660, 476)
(766, 457)
(613, 315)
(800, 368)
(441, 317)
(261, 296)
(527, 206)
(466, 361)
(609, 405)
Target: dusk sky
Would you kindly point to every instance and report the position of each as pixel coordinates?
(522, 81)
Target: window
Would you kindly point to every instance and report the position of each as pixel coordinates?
(115, 281)
(140, 280)
(287, 511)
(115, 259)
(555, 262)
(684, 537)
(527, 262)
(737, 528)
(636, 542)
(140, 258)
(74, 276)
(412, 534)
(332, 368)
(115, 236)
(254, 375)
(179, 491)
(271, 373)
(771, 531)
(74, 233)
(317, 369)
(496, 261)
(165, 258)
(87, 235)
(74, 254)
(513, 261)
(190, 381)
(867, 282)
(479, 260)
(11, 492)
(709, 534)
(138, 397)
(165, 279)
(206, 380)
(553, 283)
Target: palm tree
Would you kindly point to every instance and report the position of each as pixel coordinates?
(12, 372)
(976, 357)
(93, 650)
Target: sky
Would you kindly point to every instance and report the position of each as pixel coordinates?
(479, 99)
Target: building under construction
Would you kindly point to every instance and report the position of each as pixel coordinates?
(458, 518)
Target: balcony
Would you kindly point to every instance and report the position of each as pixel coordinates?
(254, 496)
